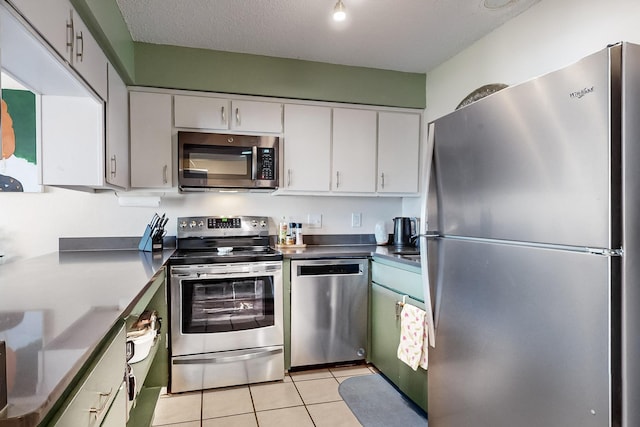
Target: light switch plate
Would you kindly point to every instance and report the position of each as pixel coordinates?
(314, 220)
(356, 220)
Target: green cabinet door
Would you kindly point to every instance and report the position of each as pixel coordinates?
(385, 337)
(385, 332)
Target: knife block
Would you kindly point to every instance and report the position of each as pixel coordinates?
(148, 244)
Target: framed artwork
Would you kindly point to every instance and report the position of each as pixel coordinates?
(18, 164)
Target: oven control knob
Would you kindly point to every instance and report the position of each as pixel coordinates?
(263, 224)
(183, 224)
(201, 223)
(192, 224)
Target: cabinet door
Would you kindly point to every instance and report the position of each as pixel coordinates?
(307, 148)
(151, 152)
(256, 116)
(88, 58)
(200, 112)
(117, 149)
(65, 31)
(385, 338)
(73, 141)
(398, 152)
(354, 150)
(52, 19)
(385, 331)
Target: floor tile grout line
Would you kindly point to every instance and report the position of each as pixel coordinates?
(305, 404)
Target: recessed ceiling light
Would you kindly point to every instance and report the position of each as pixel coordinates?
(497, 4)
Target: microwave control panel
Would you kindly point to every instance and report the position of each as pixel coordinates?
(266, 164)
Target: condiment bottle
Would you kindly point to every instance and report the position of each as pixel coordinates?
(291, 234)
(282, 232)
(299, 234)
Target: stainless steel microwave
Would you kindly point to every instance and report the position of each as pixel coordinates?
(208, 161)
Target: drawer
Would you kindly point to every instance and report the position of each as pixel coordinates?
(98, 388)
(402, 281)
(228, 368)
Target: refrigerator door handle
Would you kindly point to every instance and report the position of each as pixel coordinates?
(424, 236)
(430, 235)
(605, 251)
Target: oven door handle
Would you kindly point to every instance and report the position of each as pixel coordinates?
(238, 356)
(215, 275)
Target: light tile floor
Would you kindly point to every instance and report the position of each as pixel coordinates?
(305, 398)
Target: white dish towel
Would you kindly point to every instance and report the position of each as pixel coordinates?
(413, 347)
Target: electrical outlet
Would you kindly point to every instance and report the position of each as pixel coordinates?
(314, 220)
(356, 220)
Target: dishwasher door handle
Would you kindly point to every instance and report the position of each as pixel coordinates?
(306, 270)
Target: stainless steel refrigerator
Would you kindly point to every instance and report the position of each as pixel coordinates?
(534, 275)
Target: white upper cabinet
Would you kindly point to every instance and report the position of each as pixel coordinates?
(88, 58)
(307, 148)
(201, 112)
(151, 142)
(117, 147)
(256, 116)
(398, 152)
(52, 19)
(208, 113)
(354, 150)
(63, 29)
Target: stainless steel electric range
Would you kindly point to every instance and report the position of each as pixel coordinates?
(226, 304)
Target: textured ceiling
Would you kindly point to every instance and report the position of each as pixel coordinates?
(402, 35)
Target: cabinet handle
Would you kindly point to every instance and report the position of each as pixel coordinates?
(223, 115)
(237, 116)
(288, 177)
(164, 174)
(96, 411)
(382, 178)
(80, 51)
(114, 165)
(399, 305)
(70, 33)
(338, 179)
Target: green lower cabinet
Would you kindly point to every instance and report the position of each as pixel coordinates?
(385, 337)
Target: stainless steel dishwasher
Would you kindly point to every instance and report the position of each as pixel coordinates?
(329, 303)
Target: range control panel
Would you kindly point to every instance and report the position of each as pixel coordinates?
(224, 223)
(216, 226)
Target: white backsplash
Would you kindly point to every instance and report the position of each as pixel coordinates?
(30, 224)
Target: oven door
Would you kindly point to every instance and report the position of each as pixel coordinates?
(222, 307)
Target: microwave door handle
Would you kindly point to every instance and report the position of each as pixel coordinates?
(254, 163)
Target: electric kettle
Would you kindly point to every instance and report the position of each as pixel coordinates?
(404, 229)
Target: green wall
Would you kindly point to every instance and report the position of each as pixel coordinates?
(173, 67)
(216, 71)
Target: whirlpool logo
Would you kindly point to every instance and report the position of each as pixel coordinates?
(579, 94)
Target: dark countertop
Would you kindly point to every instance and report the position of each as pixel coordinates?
(391, 253)
(42, 301)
